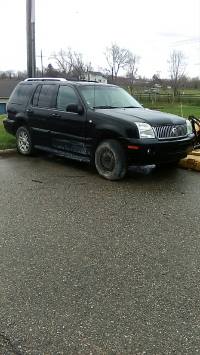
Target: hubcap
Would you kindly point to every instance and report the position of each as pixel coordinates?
(23, 142)
(107, 160)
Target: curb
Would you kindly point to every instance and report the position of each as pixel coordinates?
(192, 161)
(7, 151)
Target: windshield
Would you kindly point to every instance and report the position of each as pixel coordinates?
(108, 97)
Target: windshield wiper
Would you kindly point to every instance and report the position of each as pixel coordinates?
(130, 107)
(105, 106)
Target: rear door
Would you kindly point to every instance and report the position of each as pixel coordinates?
(39, 112)
(68, 128)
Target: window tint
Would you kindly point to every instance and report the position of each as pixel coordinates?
(21, 94)
(46, 96)
(110, 96)
(36, 96)
(66, 96)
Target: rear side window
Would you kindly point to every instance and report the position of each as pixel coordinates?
(46, 96)
(21, 94)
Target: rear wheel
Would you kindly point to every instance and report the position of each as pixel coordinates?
(110, 160)
(24, 141)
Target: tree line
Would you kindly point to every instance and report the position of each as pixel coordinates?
(72, 65)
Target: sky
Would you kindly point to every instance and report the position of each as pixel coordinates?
(151, 29)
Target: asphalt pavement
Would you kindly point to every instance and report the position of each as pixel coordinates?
(89, 266)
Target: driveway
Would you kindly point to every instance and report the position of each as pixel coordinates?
(89, 266)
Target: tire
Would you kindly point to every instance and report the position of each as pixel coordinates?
(24, 141)
(110, 160)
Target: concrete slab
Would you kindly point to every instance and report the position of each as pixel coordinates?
(192, 161)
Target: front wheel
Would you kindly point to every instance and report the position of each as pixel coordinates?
(110, 160)
(24, 141)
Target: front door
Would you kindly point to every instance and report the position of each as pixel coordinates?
(68, 128)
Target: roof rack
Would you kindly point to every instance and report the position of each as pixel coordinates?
(83, 80)
(88, 81)
(45, 79)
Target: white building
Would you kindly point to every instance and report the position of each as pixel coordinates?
(94, 76)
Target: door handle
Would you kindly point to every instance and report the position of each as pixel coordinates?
(56, 115)
(29, 111)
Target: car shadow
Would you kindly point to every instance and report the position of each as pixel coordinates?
(145, 173)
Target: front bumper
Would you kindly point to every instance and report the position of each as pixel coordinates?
(154, 151)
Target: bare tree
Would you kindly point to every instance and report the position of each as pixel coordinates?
(71, 63)
(177, 67)
(132, 68)
(156, 79)
(80, 67)
(8, 74)
(61, 61)
(50, 71)
(116, 58)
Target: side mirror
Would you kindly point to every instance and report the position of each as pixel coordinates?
(75, 109)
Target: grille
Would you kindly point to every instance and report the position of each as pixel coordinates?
(170, 131)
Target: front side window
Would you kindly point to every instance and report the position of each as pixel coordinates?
(46, 96)
(36, 96)
(66, 96)
(107, 97)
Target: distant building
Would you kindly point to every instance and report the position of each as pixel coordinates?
(6, 88)
(94, 76)
(158, 86)
(3, 105)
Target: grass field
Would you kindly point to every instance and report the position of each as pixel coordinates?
(177, 109)
(6, 140)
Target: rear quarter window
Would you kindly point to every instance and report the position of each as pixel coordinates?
(21, 94)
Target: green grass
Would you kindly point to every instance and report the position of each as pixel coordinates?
(6, 140)
(195, 92)
(176, 109)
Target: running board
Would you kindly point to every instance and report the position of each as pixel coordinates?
(67, 155)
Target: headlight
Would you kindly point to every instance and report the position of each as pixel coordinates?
(189, 127)
(145, 130)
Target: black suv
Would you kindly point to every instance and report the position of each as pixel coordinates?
(96, 123)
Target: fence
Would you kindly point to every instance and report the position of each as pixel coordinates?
(168, 98)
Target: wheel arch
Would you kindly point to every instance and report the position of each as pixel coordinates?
(107, 133)
(20, 121)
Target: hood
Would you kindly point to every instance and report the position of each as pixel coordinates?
(152, 117)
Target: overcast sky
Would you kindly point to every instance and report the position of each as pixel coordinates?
(151, 29)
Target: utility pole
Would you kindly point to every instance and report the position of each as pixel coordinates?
(112, 74)
(30, 30)
(42, 66)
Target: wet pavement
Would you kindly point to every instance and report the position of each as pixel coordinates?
(89, 266)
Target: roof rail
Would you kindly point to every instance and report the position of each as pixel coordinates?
(84, 80)
(45, 79)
